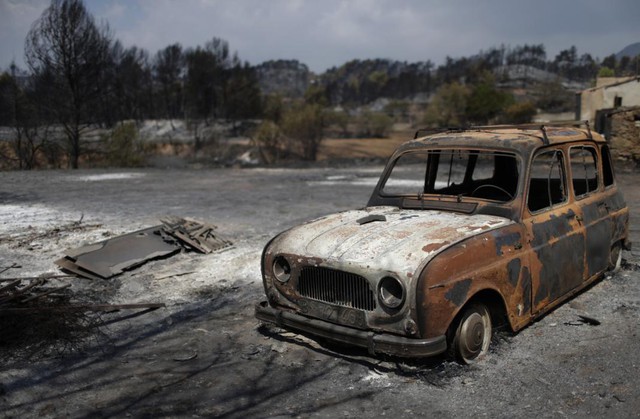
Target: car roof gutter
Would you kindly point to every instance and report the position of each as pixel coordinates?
(541, 127)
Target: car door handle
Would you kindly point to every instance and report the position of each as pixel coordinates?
(576, 216)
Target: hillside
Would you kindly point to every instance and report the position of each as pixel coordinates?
(289, 78)
(361, 82)
(630, 51)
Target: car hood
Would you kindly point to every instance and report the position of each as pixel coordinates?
(383, 238)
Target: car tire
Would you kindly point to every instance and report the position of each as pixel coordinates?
(615, 258)
(472, 336)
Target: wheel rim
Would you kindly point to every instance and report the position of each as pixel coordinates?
(475, 335)
(615, 258)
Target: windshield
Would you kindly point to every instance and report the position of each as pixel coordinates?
(490, 175)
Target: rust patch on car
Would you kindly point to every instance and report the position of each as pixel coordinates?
(432, 247)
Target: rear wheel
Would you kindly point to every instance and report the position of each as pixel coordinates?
(472, 335)
(615, 257)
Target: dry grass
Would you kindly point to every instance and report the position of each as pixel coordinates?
(358, 148)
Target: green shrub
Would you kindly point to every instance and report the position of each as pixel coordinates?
(519, 113)
(124, 148)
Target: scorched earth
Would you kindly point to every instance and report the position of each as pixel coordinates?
(205, 355)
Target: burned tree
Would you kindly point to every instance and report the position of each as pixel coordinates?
(30, 127)
(67, 46)
(168, 70)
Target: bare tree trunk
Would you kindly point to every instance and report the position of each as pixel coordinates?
(75, 149)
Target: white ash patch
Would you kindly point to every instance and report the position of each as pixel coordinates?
(16, 219)
(186, 276)
(107, 176)
(377, 378)
(341, 180)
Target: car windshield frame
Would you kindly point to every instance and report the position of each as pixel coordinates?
(437, 192)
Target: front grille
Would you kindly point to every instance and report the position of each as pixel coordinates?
(336, 287)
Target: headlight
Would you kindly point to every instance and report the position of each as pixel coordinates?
(281, 269)
(391, 292)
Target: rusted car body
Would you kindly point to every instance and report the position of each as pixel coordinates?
(465, 230)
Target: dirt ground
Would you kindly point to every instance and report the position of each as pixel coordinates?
(205, 355)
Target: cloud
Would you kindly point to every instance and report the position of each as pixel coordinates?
(16, 17)
(330, 32)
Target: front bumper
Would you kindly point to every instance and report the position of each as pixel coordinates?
(374, 342)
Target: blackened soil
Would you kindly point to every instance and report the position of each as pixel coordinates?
(205, 355)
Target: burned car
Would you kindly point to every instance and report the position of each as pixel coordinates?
(466, 230)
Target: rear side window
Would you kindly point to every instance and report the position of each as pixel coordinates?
(584, 170)
(607, 167)
(547, 185)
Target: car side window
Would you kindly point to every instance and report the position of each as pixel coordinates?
(547, 183)
(607, 167)
(584, 170)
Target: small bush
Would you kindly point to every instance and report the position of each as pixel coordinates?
(374, 124)
(304, 126)
(124, 148)
(519, 113)
(269, 141)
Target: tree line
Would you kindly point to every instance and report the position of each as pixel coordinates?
(79, 76)
(358, 82)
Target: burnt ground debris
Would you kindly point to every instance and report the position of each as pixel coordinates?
(113, 256)
(204, 355)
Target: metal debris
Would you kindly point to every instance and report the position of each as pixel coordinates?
(111, 257)
(582, 319)
(194, 234)
(589, 320)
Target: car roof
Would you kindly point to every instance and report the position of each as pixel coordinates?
(523, 138)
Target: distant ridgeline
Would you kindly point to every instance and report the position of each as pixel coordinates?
(289, 78)
(360, 82)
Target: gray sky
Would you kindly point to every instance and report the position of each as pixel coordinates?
(326, 33)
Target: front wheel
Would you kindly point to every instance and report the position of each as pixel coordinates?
(472, 335)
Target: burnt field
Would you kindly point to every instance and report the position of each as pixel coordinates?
(205, 355)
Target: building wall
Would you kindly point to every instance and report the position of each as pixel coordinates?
(604, 97)
(590, 101)
(625, 134)
(629, 92)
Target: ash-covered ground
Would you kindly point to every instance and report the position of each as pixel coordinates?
(205, 355)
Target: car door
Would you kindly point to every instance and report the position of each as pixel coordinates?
(557, 247)
(594, 210)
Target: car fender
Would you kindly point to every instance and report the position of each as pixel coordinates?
(494, 261)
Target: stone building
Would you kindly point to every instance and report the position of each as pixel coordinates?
(622, 129)
(613, 109)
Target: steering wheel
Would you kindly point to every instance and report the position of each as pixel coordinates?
(493, 187)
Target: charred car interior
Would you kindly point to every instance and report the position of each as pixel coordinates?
(466, 230)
